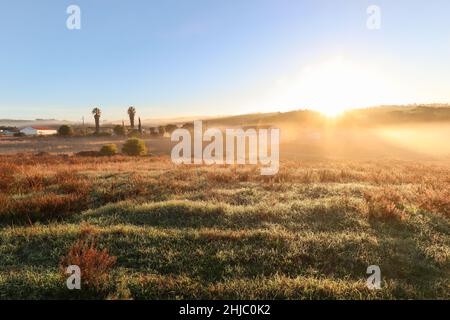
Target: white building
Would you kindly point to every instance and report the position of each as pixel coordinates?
(38, 131)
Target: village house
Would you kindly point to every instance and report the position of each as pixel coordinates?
(38, 131)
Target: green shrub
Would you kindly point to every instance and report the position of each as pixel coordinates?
(119, 130)
(134, 133)
(108, 150)
(134, 147)
(65, 130)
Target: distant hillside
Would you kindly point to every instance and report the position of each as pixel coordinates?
(365, 117)
(28, 123)
(396, 114)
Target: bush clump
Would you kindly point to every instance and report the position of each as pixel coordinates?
(65, 131)
(108, 150)
(134, 147)
(119, 130)
(134, 133)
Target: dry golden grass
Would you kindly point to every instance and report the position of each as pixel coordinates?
(385, 203)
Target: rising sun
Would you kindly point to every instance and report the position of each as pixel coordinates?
(335, 86)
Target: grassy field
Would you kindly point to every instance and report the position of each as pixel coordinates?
(192, 232)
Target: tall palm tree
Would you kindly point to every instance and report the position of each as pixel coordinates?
(97, 113)
(132, 113)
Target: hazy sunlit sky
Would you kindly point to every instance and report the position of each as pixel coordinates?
(173, 58)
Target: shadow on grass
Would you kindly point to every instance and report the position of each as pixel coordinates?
(319, 215)
(403, 258)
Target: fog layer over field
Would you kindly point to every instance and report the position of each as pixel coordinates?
(411, 141)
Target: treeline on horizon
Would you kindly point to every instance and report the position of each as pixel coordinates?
(373, 116)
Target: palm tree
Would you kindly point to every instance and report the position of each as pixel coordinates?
(97, 113)
(131, 113)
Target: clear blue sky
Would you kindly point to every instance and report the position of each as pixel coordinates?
(213, 57)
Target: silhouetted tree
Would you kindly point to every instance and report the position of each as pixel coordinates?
(132, 114)
(140, 126)
(97, 113)
(170, 128)
(189, 126)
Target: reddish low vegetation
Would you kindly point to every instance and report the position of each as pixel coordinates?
(385, 203)
(39, 188)
(94, 264)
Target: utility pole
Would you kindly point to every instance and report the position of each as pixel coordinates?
(84, 130)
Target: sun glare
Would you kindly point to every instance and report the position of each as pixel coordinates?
(335, 86)
(331, 87)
